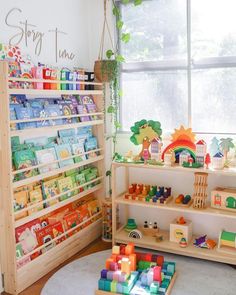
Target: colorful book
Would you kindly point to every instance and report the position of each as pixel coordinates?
(71, 220)
(91, 108)
(78, 149)
(80, 179)
(86, 99)
(90, 145)
(69, 139)
(37, 141)
(83, 110)
(67, 109)
(23, 113)
(66, 132)
(46, 156)
(20, 202)
(24, 159)
(36, 196)
(65, 184)
(53, 110)
(64, 151)
(50, 190)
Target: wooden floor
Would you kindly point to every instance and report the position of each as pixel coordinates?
(36, 288)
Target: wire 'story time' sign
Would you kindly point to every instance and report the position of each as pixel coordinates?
(28, 33)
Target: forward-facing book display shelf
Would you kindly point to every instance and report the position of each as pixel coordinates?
(161, 241)
(63, 184)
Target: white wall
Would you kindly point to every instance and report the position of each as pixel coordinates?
(69, 16)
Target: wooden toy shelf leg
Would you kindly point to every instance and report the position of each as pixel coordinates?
(114, 205)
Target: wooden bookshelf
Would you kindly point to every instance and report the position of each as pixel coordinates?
(119, 235)
(16, 280)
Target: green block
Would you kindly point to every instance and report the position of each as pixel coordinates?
(113, 286)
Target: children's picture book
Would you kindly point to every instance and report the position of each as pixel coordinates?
(84, 132)
(35, 196)
(83, 110)
(48, 233)
(23, 113)
(20, 202)
(46, 156)
(50, 190)
(69, 139)
(63, 151)
(53, 111)
(83, 214)
(80, 179)
(24, 159)
(78, 149)
(90, 145)
(13, 126)
(67, 109)
(86, 99)
(37, 141)
(91, 108)
(66, 132)
(65, 184)
(93, 207)
(71, 220)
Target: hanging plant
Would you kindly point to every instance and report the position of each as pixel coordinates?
(107, 69)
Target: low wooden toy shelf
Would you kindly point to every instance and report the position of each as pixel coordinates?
(16, 280)
(119, 235)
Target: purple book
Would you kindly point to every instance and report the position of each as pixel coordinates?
(83, 110)
(91, 108)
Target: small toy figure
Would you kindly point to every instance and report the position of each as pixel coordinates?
(207, 160)
(204, 242)
(181, 220)
(190, 161)
(183, 243)
(131, 225)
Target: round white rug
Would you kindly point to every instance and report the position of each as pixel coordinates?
(195, 276)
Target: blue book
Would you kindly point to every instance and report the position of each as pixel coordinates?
(25, 113)
(91, 144)
(67, 132)
(64, 151)
(53, 110)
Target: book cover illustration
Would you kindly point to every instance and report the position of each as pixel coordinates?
(19, 203)
(63, 151)
(24, 113)
(67, 109)
(53, 110)
(35, 196)
(50, 190)
(71, 220)
(78, 149)
(46, 156)
(13, 126)
(64, 185)
(25, 159)
(90, 145)
(86, 99)
(80, 179)
(83, 110)
(92, 108)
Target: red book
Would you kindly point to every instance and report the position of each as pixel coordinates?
(71, 220)
(33, 226)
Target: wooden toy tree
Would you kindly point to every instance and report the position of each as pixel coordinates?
(226, 144)
(200, 187)
(143, 133)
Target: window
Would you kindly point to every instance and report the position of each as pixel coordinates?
(180, 64)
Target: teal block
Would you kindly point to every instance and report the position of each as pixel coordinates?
(101, 284)
(171, 267)
(119, 288)
(107, 286)
(113, 286)
(154, 287)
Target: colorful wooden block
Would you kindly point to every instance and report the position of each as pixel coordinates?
(116, 250)
(178, 231)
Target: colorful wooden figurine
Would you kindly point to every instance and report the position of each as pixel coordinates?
(226, 144)
(207, 160)
(183, 243)
(204, 242)
(201, 149)
(131, 225)
(182, 140)
(144, 132)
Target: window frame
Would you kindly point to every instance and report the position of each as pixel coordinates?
(189, 65)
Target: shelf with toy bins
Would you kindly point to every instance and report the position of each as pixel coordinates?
(52, 132)
(182, 171)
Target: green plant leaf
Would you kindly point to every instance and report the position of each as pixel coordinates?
(109, 53)
(120, 58)
(116, 11)
(117, 125)
(110, 110)
(137, 2)
(125, 37)
(108, 173)
(125, 1)
(119, 24)
(120, 93)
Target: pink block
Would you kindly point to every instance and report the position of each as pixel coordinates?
(157, 274)
(113, 266)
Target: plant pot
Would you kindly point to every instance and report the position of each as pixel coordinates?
(105, 70)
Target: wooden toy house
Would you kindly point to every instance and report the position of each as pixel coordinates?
(201, 149)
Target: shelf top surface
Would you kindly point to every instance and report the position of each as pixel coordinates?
(225, 171)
